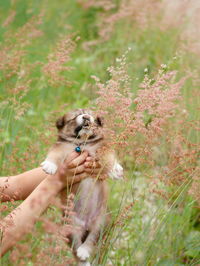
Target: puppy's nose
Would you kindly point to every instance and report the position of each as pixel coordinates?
(86, 117)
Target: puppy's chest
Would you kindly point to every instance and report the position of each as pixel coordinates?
(90, 148)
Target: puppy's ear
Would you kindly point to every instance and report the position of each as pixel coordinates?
(100, 121)
(60, 122)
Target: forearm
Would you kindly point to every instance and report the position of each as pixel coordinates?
(21, 220)
(14, 226)
(20, 186)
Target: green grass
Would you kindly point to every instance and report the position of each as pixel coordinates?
(157, 231)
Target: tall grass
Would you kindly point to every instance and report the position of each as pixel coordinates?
(49, 53)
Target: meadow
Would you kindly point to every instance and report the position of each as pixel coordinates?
(137, 62)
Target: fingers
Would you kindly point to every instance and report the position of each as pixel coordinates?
(92, 165)
(102, 177)
(77, 170)
(83, 175)
(78, 166)
(92, 162)
(77, 178)
(71, 157)
(95, 171)
(78, 160)
(89, 158)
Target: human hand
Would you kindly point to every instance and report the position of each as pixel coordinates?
(77, 167)
(72, 168)
(94, 168)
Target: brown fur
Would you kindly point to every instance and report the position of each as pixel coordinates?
(91, 202)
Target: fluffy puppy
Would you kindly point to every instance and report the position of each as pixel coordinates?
(80, 130)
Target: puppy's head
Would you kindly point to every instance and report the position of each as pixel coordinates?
(79, 124)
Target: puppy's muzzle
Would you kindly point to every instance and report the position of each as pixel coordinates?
(84, 120)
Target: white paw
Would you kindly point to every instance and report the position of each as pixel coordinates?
(82, 263)
(82, 253)
(49, 167)
(117, 172)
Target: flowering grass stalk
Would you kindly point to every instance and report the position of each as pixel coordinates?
(151, 112)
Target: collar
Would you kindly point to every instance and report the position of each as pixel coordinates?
(77, 142)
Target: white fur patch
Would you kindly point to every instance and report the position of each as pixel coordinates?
(117, 172)
(49, 167)
(79, 119)
(82, 253)
(85, 263)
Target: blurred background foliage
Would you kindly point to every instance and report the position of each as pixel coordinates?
(89, 36)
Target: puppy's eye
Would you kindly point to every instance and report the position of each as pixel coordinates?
(99, 121)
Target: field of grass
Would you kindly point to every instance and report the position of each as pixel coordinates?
(156, 219)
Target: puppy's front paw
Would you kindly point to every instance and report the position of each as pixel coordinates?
(82, 253)
(49, 167)
(117, 172)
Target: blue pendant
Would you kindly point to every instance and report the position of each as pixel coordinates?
(78, 149)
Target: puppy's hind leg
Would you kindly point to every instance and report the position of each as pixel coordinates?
(79, 253)
(87, 248)
(83, 252)
(82, 255)
(83, 263)
(75, 242)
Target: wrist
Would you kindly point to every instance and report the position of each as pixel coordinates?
(56, 181)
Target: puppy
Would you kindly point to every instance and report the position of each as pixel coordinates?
(80, 130)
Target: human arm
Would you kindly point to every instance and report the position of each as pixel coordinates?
(21, 220)
(20, 186)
